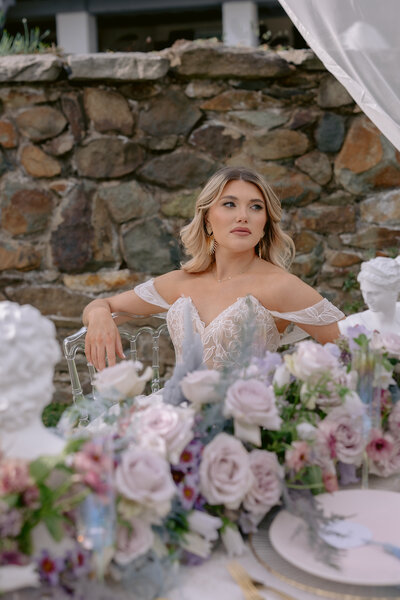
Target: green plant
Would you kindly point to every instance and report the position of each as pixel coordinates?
(29, 42)
(52, 413)
(353, 307)
(350, 282)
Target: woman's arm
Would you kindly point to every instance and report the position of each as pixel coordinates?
(102, 338)
(292, 295)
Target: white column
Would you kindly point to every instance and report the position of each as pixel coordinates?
(76, 32)
(240, 23)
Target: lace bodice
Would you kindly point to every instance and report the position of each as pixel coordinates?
(219, 337)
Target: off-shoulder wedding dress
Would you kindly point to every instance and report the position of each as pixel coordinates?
(219, 337)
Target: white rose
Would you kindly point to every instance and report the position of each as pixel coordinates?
(225, 474)
(196, 544)
(173, 424)
(144, 477)
(306, 431)
(122, 380)
(251, 401)
(204, 524)
(281, 376)
(133, 541)
(267, 487)
(389, 342)
(199, 387)
(233, 541)
(311, 361)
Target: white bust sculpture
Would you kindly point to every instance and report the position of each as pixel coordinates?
(380, 286)
(28, 354)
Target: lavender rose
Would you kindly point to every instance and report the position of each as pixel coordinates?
(133, 541)
(251, 401)
(199, 387)
(266, 489)
(344, 431)
(225, 474)
(145, 478)
(173, 424)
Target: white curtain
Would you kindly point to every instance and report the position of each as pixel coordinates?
(359, 43)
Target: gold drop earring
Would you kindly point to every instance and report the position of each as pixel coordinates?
(211, 244)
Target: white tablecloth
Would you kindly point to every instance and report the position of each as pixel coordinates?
(211, 581)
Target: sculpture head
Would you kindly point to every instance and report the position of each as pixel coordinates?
(380, 283)
(28, 354)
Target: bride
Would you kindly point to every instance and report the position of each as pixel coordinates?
(237, 270)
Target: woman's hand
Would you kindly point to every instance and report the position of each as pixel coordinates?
(102, 338)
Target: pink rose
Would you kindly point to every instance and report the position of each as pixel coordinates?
(384, 454)
(344, 431)
(389, 342)
(251, 401)
(144, 477)
(311, 361)
(266, 489)
(133, 541)
(297, 456)
(330, 481)
(14, 476)
(225, 474)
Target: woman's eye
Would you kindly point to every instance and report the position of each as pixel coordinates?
(257, 207)
(229, 203)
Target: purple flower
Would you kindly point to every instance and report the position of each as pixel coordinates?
(13, 557)
(188, 490)
(191, 560)
(268, 364)
(10, 523)
(190, 457)
(78, 562)
(50, 568)
(353, 333)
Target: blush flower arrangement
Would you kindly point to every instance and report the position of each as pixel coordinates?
(213, 465)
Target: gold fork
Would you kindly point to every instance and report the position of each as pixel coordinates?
(245, 582)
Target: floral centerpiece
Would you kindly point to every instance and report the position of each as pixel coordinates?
(170, 479)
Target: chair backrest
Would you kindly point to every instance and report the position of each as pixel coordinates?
(133, 330)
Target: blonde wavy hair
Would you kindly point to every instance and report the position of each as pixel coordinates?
(276, 246)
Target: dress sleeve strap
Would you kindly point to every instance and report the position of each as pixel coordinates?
(147, 292)
(321, 313)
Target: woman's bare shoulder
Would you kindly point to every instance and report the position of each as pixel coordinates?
(287, 292)
(169, 285)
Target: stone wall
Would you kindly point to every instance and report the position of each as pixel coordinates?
(103, 156)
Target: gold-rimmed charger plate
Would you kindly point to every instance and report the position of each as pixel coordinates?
(264, 552)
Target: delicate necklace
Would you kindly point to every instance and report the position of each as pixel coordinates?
(231, 276)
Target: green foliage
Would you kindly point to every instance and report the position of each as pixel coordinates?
(352, 307)
(350, 283)
(29, 42)
(52, 413)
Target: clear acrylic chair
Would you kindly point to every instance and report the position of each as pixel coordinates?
(139, 335)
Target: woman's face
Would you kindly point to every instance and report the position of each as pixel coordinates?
(238, 218)
(378, 299)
